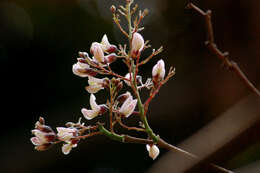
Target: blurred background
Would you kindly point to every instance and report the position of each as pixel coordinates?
(204, 109)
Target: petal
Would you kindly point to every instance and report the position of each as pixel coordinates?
(75, 70)
(40, 135)
(94, 81)
(128, 106)
(36, 141)
(93, 88)
(66, 148)
(93, 103)
(105, 42)
(89, 114)
(98, 54)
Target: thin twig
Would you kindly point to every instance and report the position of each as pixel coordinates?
(211, 45)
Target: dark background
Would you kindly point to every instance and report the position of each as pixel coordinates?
(39, 41)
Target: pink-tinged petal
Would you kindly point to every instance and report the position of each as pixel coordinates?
(66, 148)
(128, 106)
(40, 135)
(131, 107)
(98, 54)
(89, 114)
(36, 141)
(93, 103)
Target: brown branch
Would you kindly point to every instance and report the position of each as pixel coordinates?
(223, 56)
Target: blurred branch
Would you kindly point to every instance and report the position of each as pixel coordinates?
(223, 56)
(212, 138)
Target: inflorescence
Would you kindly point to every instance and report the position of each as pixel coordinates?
(119, 105)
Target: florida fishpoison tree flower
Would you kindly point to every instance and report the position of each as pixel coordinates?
(95, 109)
(128, 106)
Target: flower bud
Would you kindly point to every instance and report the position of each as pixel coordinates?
(119, 86)
(112, 49)
(158, 71)
(113, 9)
(137, 44)
(153, 151)
(83, 55)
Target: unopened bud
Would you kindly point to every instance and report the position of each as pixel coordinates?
(83, 54)
(145, 12)
(119, 86)
(41, 120)
(103, 109)
(137, 44)
(115, 81)
(113, 9)
(158, 71)
(69, 124)
(106, 83)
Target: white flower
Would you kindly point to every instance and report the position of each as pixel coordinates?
(95, 84)
(65, 134)
(40, 137)
(66, 148)
(128, 106)
(80, 68)
(159, 70)
(137, 44)
(95, 109)
(97, 51)
(153, 151)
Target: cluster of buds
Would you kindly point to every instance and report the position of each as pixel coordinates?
(118, 105)
(44, 135)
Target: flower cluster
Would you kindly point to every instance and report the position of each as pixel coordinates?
(120, 104)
